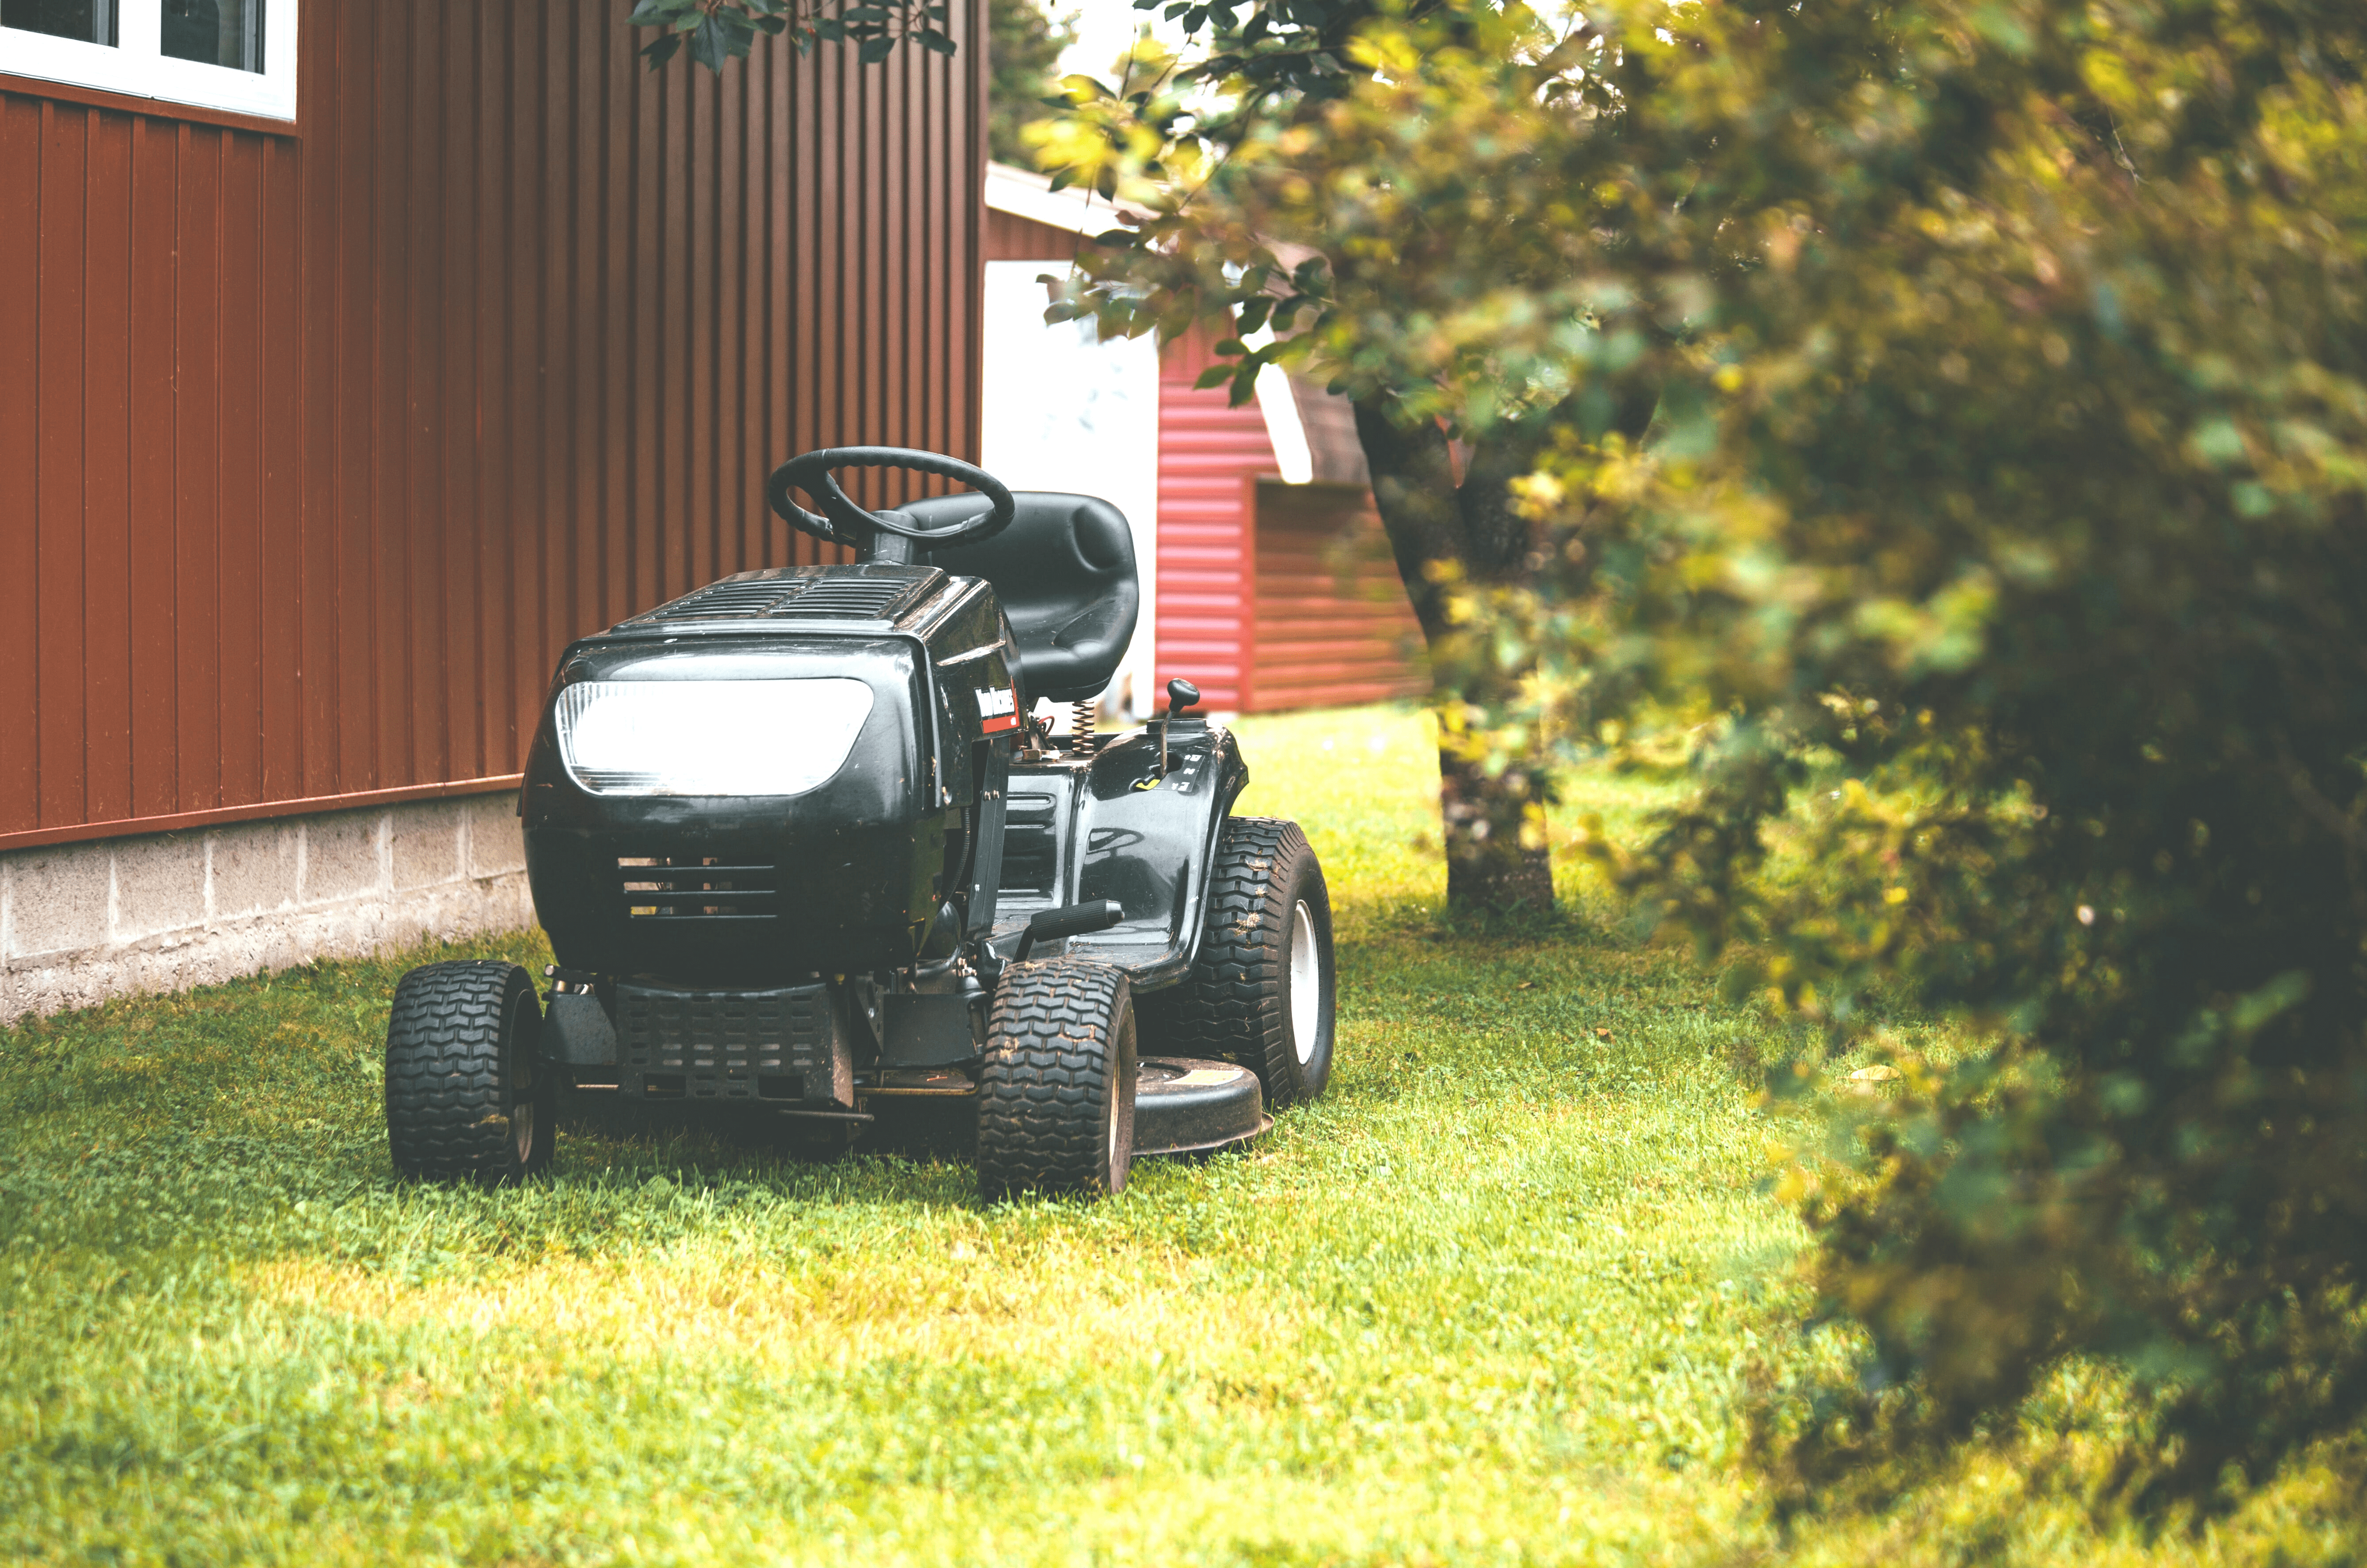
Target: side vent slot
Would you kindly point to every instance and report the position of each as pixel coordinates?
(706, 889)
(1031, 846)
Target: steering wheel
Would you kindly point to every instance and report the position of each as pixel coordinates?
(848, 524)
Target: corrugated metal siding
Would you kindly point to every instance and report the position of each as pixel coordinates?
(1333, 622)
(1009, 238)
(316, 449)
(1208, 457)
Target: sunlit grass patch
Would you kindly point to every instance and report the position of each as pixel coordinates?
(1047, 1303)
(1495, 1299)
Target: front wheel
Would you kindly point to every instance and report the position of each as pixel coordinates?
(1055, 1094)
(466, 1098)
(1261, 991)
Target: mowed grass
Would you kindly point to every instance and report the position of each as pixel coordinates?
(1494, 1300)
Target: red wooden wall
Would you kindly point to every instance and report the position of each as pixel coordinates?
(1332, 624)
(1209, 457)
(1270, 596)
(317, 446)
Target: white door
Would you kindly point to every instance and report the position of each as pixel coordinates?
(1062, 411)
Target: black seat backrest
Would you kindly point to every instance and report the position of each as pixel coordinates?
(1064, 574)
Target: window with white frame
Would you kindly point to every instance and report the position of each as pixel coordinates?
(225, 54)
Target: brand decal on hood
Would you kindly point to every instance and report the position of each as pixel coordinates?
(999, 709)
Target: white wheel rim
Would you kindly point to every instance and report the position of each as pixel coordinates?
(1306, 985)
(1118, 1106)
(522, 1109)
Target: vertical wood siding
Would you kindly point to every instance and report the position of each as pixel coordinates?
(316, 449)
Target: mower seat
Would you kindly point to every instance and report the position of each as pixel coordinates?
(1064, 574)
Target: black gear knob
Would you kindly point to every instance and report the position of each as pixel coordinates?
(1181, 693)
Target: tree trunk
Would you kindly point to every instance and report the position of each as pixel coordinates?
(1496, 861)
(1493, 827)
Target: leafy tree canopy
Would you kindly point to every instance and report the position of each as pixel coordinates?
(1024, 45)
(1954, 413)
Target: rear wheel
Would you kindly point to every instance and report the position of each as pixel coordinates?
(1261, 991)
(466, 1098)
(1055, 1094)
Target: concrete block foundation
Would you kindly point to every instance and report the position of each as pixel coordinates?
(80, 923)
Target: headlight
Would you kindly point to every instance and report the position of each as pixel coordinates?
(709, 737)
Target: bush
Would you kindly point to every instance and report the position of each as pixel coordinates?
(2002, 476)
(2010, 474)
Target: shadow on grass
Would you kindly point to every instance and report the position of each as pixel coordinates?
(926, 1133)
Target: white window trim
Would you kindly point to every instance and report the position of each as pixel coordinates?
(138, 66)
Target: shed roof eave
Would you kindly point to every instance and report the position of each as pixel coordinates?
(1023, 193)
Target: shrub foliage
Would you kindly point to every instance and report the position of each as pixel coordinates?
(1024, 45)
(1999, 529)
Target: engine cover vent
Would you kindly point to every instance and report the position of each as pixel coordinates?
(844, 598)
(790, 593)
(747, 596)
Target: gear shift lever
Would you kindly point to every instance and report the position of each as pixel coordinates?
(1181, 693)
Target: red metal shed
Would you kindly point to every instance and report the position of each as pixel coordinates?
(320, 436)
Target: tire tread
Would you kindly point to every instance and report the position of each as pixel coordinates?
(1230, 1006)
(446, 1104)
(1051, 1049)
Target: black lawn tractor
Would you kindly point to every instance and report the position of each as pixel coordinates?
(802, 842)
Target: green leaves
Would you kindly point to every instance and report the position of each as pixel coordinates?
(718, 31)
(1945, 425)
(1974, 518)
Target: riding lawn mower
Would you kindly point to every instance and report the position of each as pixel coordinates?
(804, 842)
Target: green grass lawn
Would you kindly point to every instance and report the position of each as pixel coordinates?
(1492, 1301)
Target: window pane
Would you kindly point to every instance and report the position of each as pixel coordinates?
(215, 32)
(84, 21)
